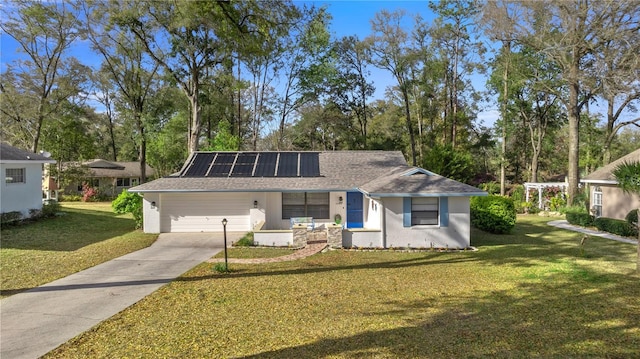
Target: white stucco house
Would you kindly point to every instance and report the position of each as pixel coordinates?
(21, 189)
(362, 198)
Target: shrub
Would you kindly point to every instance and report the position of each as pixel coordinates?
(50, 209)
(579, 217)
(245, 241)
(490, 187)
(10, 217)
(616, 226)
(128, 202)
(632, 217)
(89, 193)
(493, 214)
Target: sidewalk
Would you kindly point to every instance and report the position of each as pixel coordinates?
(565, 225)
(36, 321)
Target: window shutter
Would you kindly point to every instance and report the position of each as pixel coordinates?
(444, 211)
(406, 210)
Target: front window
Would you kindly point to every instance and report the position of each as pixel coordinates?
(15, 175)
(302, 204)
(424, 211)
(122, 182)
(596, 209)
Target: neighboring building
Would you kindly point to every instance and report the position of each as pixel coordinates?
(607, 199)
(373, 198)
(110, 176)
(21, 189)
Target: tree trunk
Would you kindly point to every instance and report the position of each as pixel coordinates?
(574, 134)
(407, 111)
(505, 101)
(194, 128)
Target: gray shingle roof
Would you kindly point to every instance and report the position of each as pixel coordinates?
(606, 173)
(12, 154)
(373, 171)
(100, 168)
(412, 180)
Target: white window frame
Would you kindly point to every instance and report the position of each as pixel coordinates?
(423, 210)
(597, 202)
(13, 177)
(305, 202)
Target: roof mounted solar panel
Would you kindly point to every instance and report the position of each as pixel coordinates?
(288, 164)
(309, 164)
(244, 164)
(222, 166)
(199, 164)
(266, 164)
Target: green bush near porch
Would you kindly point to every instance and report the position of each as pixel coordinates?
(494, 214)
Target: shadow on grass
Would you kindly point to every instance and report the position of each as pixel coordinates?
(533, 240)
(73, 230)
(563, 317)
(431, 259)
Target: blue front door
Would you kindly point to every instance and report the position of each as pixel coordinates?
(354, 210)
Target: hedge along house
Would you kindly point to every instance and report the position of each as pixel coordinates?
(355, 198)
(606, 198)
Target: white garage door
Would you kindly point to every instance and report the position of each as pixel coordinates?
(203, 212)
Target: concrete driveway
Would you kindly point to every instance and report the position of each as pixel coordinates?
(37, 321)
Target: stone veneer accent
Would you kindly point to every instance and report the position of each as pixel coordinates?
(299, 235)
(334, 235)
(331, 233)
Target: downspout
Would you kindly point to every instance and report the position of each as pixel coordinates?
(383, 224)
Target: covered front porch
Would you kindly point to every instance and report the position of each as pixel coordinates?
(345, 219)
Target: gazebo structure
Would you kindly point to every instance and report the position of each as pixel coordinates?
(540, 186)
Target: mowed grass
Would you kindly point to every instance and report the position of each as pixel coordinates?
(528, 294)
(86, 234)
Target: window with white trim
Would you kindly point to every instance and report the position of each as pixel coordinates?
(15, 175)
(597, 202)
(305, 204)
(122, 182)
(424, 211)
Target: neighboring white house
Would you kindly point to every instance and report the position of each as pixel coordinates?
(21, 189)
(606, 197)
(373, 198)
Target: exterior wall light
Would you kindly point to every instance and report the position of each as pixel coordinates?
(153, 204)
(255, 204)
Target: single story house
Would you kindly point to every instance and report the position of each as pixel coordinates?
(360, 198)
(111, 176)
(21, 190)
(607, 199)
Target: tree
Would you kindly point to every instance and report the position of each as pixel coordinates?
(628, 176)
(390, 51)
(461, 53)
(569, 33)
(34, 88)
(303, 65)
(186, 39)
(349, 88)
(126, 65)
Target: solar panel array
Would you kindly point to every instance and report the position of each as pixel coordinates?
(253, 164)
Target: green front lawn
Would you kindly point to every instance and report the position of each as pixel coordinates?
(528, 294)
(85, 235)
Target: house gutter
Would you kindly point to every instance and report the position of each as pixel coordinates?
(599, 181)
